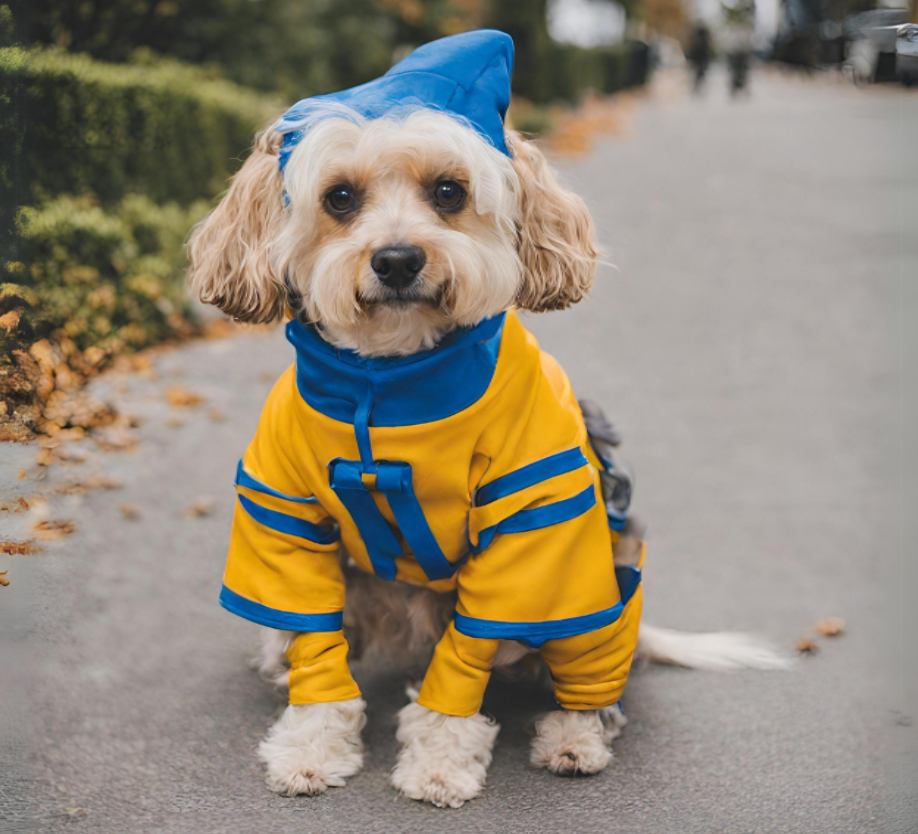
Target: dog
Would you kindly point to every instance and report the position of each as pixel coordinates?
(400, 226)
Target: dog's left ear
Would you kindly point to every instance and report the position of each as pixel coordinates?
(555, 235)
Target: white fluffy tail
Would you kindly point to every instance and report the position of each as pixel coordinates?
(718, 651)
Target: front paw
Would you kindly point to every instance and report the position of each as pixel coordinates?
(313, 747)
(444, 758)
(570, 742)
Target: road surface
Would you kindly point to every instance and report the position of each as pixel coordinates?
(742, 345)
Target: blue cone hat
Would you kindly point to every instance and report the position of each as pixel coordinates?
(467, 76)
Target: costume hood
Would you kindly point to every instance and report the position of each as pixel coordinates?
(466, 76)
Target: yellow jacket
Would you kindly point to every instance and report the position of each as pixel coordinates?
(465, 467)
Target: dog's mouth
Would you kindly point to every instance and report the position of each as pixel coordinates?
(404, 297)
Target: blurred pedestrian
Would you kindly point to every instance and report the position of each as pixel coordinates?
(735, 42)
(700, 53)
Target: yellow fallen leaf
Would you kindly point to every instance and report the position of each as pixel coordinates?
(3, 579)
(830, 626)
(16, 548)
(199, 508)
(128, 511)
(52, 530)
(807, 646)
(179, 396)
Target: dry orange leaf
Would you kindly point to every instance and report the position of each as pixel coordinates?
(52, 530)
(830, 626)
(199, 508)
(175, 422)
(178, 395)
(21, 475)
(216, 415)
(82, 487)
(3, 579)
(807, 646)
(20, 505)
(16, 548)
(128, 511)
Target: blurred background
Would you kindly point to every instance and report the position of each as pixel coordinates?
(752, 169)
(121, 121)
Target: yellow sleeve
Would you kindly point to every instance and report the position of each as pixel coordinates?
(283, 570)
(541, 573)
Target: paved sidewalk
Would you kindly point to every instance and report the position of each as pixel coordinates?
(741, 345)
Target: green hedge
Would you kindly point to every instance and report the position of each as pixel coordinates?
(105, 279)
(164, 129)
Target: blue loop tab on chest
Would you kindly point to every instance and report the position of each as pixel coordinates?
(393, 479)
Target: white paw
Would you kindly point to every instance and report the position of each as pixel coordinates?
(314, 746)
(569, 742)
(444, 758)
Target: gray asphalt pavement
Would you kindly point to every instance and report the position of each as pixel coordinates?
(741, 344)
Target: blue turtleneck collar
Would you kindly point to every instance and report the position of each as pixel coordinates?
(405, 391)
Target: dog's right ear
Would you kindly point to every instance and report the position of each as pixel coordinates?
(231, 263)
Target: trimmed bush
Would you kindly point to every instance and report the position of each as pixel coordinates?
(108, 280)
(163, 128)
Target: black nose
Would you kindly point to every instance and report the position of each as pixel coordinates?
(397, 266)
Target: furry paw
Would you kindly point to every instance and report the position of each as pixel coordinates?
(271, 660)
(444, 758)
(313, 747)
(570, 742)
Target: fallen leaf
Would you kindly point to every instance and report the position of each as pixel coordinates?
(16, 548)
(21, 475)
(18, 506)
(175, 422)
(200, 508)
(10, 321)
(52, 530)
(216, 415)
(82, 487)
(179, 396)
(830, 626)
(128, 511)
(3, 579)
(807, 646)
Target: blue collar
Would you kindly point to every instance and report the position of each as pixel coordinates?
(421, 388)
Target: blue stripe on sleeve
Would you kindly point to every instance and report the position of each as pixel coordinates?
(244, 479)
(530, 475)
(288, 524)
(538, 517)
(275, 618)
(536, 633)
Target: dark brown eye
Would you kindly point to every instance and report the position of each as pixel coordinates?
(449, 195)
(340, 199)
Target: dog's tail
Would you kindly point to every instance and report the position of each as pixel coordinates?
(716, 651)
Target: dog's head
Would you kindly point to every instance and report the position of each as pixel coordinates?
(389, 232)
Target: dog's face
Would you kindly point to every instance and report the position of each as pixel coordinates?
(395, 231)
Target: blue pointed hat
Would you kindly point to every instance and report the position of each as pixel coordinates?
(465, 75)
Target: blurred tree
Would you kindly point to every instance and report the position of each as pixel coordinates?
(295, 47)
(664, 17)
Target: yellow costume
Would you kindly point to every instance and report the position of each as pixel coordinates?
(465, 467)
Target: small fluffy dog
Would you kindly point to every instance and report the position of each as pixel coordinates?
(391, 222)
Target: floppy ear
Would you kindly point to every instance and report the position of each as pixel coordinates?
(555, 235)
(230, 249)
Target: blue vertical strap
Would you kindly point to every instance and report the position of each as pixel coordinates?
(382, 546)
(394, 479)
